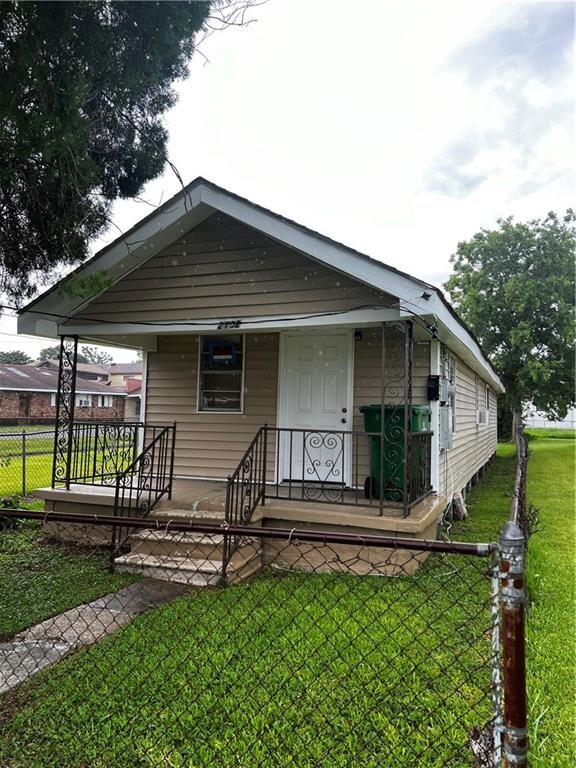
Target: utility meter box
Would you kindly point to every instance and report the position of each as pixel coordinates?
(445, 436)
(446, 389)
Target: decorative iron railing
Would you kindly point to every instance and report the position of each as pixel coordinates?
(148, 478)
(351, 468)
(98, 452)
(420, 483)
(245, 490)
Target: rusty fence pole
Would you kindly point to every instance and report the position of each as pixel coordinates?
(515, 733)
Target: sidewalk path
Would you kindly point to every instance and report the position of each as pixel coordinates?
(46, 643)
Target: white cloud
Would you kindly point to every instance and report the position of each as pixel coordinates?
(342, 117)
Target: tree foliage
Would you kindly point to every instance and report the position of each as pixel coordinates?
(85, 87)
(86, 354)
(16, 357)
(95, 355)
(50, 353)
(514, 286)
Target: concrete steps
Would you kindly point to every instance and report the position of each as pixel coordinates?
(187, 557)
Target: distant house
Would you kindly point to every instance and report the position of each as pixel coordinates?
(28, 396)
(133, 399)
(89, 371)
(120, 373)
(126, 376)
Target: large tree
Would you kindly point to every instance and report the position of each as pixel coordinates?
(84, 88)
(514, 286)
(53, 353)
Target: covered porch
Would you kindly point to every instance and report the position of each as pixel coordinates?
(320, 461)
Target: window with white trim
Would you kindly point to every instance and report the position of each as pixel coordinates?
(105, 401)
(487, 404)
(83, 401)
(221, 373)
(482, 404)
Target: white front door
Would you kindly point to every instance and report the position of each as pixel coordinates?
(317, 398)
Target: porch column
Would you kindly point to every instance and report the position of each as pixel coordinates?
(382, 420)
(435, 370)
(408, 363)
(65, 400)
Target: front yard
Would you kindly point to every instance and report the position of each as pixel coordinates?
(39, 581)
(309, 670)
(551, 570)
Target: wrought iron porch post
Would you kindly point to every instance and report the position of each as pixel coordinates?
(408, 361)
(65, 401)
(382, 420)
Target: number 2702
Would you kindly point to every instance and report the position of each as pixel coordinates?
(229, 324)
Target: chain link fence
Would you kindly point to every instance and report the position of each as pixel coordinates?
(25, 460)
(308, 649)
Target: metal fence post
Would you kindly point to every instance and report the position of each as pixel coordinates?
(515, 733)
(23, 462)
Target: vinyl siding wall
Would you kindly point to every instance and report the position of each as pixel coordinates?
(224, 269)
(211, 444)
(473, 443)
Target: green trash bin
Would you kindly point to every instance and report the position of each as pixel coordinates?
(393, 467)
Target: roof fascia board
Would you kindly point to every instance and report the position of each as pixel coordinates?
(455, 335)
(49, 329)
(194, 204)
(270, 323)
(127, 253)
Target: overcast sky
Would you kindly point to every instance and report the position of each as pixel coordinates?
(396, 128)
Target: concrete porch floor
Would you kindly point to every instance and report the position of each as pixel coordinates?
(202, 499)
(206, 499)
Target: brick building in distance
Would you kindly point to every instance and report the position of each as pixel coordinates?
(28, 396)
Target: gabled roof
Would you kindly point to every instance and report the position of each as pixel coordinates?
(30, 378)
(201, 199)
(124, 368)
(80, 367)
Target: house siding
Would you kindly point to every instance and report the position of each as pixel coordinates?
(473, 443)
(210, 444)
(224, 269)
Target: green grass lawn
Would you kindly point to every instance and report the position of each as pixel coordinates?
(538, 433)
(551, 569)
(12, 444)
(12, 428)
(297, 669)
(38, 475)
(318, 670)
(551, 629)
(40, 580)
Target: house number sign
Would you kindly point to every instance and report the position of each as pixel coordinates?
(229, 324)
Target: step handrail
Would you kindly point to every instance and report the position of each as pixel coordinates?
(147, 479)
(245, 490)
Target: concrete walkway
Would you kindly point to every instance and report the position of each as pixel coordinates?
(46, 643)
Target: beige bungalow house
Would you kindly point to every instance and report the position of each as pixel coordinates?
(263, 340)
